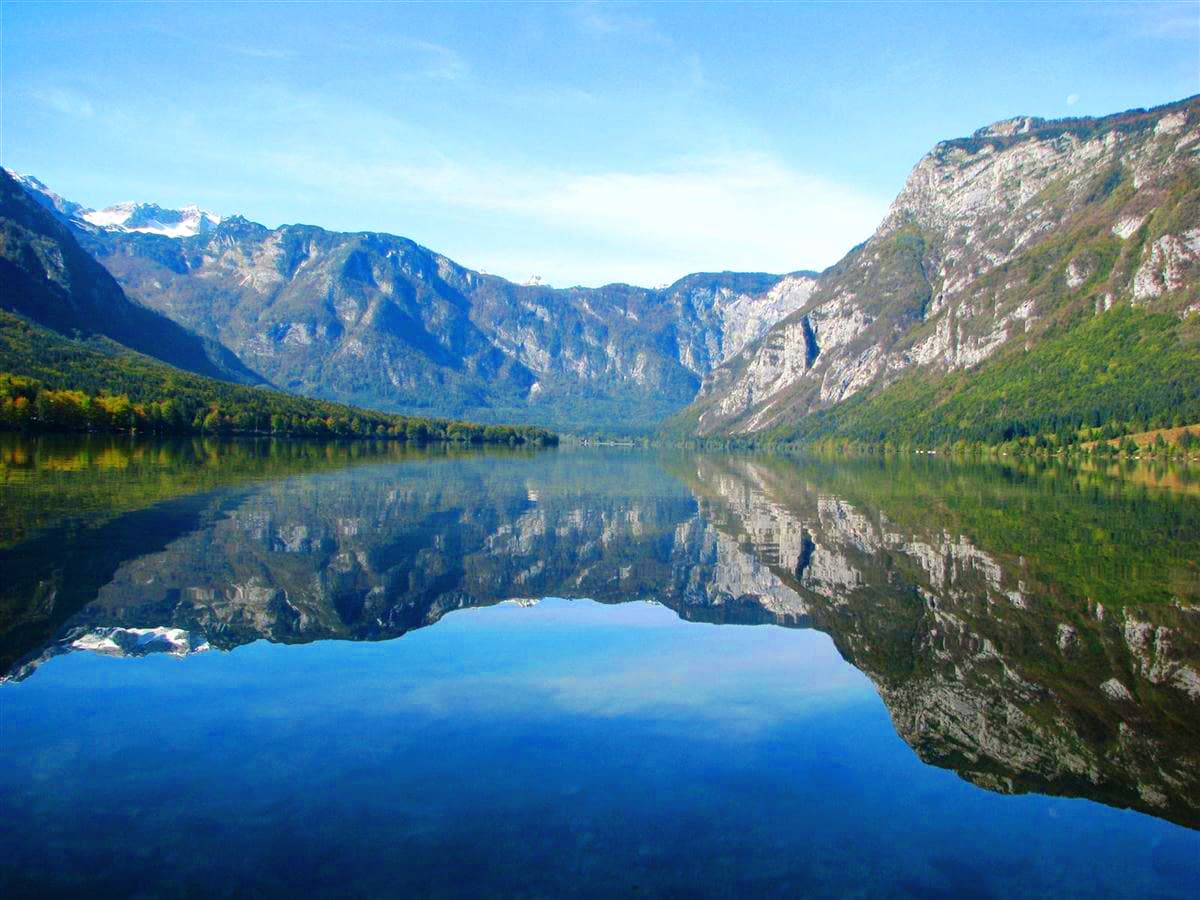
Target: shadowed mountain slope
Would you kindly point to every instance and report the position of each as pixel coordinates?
(46, 277)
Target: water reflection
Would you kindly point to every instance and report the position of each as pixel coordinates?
(1032, 629)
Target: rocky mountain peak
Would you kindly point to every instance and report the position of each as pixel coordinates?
(46, 197)
(1010, 127)
(128, 216)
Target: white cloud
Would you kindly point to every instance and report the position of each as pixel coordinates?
(733, 211)
(1072, 99)
(752, 680)
(437, 61)
(645, 223)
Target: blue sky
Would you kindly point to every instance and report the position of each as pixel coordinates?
(585, 143)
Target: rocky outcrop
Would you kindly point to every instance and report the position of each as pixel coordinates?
(992, 240)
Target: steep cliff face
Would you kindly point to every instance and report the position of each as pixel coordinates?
(381, 321)
(995, 241)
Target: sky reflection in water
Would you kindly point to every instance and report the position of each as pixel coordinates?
(571, 747)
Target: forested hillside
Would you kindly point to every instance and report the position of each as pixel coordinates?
(52, 383)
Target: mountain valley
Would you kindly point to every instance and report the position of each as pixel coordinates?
(380, 321)
(1036, 278)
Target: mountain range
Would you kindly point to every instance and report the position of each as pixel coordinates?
(1038, 276)
(378, 320)
(50, 280)
(76, 354)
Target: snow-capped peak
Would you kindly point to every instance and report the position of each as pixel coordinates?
(114, 641)
(30, 183)
(114, 216)
(139, 641)
(147, 218)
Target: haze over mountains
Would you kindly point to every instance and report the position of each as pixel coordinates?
(1007, 253)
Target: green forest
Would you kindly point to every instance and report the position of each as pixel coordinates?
(1124, 372)
(49, 383)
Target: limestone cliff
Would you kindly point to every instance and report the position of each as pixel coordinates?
(997, 241)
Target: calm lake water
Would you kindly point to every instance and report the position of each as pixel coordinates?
(248, 669)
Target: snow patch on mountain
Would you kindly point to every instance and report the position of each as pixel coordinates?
(148, 218)
(117, 641)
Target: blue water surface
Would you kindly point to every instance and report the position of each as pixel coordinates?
(565, 749)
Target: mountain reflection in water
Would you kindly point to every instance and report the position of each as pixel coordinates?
(1033, 629)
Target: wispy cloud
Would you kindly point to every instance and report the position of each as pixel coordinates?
(694, 72)
(259, 52)
(1167, 20)
(1072, 99)
(412, 57)
(438, 61)
(67, 102)
(739, 207)
(418, 58)
(619, 20)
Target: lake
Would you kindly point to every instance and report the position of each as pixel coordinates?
(258, 668)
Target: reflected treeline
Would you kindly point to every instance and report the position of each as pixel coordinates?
(1033, 628)
(52, 477)
(73, 511)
